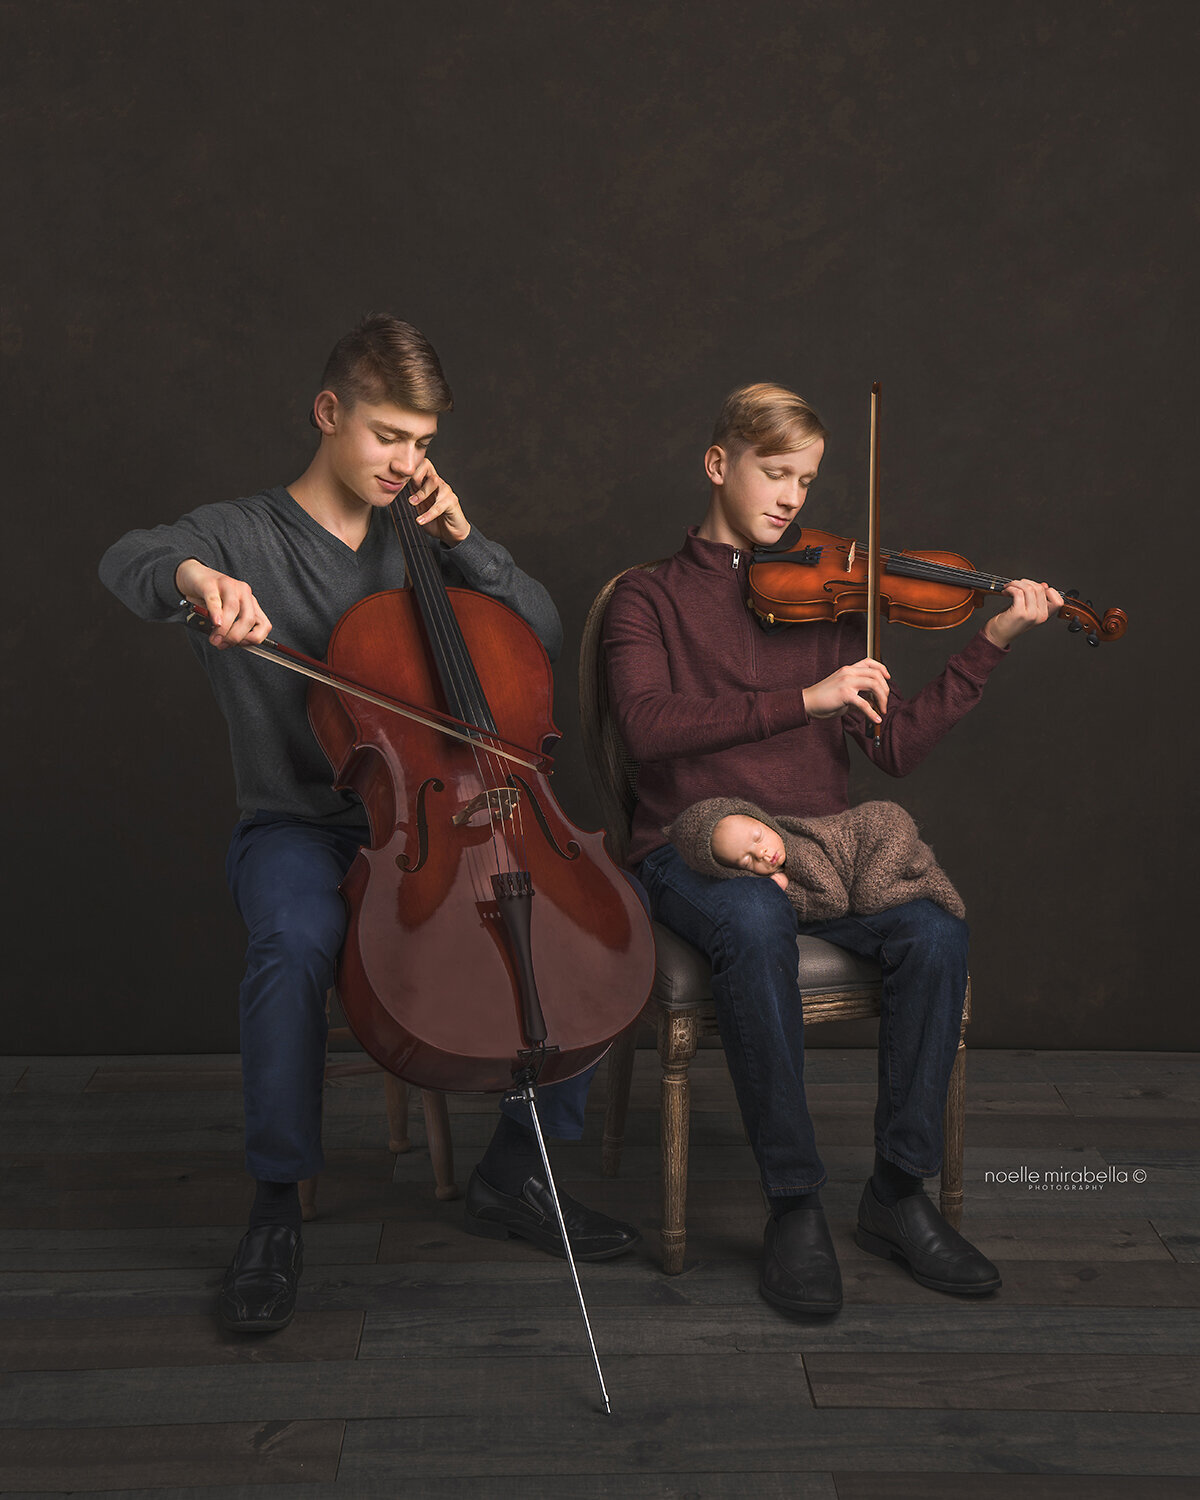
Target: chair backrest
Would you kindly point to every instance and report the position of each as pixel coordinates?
(614, 773)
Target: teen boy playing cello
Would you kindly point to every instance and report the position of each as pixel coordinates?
(710, 705)
(295, 558)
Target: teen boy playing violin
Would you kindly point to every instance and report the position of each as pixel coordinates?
(294, 559)
(710, 705)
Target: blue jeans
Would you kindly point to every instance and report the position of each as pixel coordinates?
(284, 875)
(747, 929)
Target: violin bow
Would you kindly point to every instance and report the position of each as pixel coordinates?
(873, 615)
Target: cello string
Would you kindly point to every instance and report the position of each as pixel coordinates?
(469, 685)
(460, 669)
(427, 576)
(434, 609)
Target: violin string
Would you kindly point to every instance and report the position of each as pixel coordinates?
(904, 565)
(913, 567)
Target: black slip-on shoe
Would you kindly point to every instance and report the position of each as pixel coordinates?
(258, 1294)
(799, 1267)
(915, 1233)
(496, 1215)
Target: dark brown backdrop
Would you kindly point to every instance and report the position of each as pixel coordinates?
(605, 216)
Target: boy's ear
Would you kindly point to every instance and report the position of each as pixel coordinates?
(714, 464)
(326, 411)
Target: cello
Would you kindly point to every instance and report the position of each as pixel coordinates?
(491, 944)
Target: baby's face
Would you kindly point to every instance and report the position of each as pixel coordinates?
(744, 843)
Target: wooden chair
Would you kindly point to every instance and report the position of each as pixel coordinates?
(836, 985)
(396, 1100)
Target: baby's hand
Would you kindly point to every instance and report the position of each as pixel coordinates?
(780, 880)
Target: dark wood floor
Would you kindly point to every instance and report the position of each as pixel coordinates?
(424, 1362)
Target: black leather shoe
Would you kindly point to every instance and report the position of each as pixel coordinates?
(800, 1269)
(258, 1294)
(495, 1215)
(915, 1233)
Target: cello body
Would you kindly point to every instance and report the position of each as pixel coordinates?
(432, 981)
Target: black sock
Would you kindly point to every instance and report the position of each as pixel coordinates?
(890, 1183)
(276, 1203)
(786, 1203)
(512, 1156)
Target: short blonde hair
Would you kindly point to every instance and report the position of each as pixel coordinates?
(768, 418)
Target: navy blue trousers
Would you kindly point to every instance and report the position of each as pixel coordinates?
(284, 875)
(747, 928)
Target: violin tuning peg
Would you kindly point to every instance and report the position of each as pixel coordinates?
(1093, 639)
(1074, 626)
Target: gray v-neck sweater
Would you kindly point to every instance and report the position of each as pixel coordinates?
(305, 579)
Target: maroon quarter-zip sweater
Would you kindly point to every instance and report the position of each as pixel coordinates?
(711, 705)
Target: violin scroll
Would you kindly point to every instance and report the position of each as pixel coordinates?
(1081, 615)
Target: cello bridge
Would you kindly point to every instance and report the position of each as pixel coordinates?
(499, 801)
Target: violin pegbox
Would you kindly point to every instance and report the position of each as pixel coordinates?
(1080, 614)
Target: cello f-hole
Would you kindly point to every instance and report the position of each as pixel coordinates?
(572, 851)
(402, 860)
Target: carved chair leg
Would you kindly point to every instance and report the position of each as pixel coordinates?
(620, 1075)
(678, 1033)
(441, 1147)
(437, 1132)
(951, 1201)
(395, 1094)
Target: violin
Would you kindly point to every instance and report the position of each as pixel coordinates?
(814, 575)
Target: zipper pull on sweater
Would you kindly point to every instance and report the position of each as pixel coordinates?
(737, 558)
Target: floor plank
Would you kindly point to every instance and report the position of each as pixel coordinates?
(1007, 1382)
(146, 1343)
(186, 1077)
(106, 1458)
(161, 1190)
(1179, 1098)
(55, 1075)
(48, 1250)
(708, 1431)
(582, 1486)
(506, 1387)
(886, 1485)
(1181, 1236)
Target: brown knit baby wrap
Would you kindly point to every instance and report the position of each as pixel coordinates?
(859, 861)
